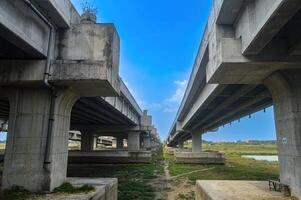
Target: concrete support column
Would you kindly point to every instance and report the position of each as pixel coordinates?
(147, 142)
(88, 141)
(119, 142)
(181, 144)
(95, 142)
(285, 87)
(36, 158)
(196, 142)
(134, 141)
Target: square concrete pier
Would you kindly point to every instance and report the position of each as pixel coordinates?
(200, 157)
(236, 190)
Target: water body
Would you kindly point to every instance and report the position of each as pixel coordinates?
(258, 157)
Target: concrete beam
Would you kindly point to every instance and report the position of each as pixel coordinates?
(260, 21)
(23, 28)
(61, 12)
(88, 56)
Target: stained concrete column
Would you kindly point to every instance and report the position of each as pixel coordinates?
(285, 87)
(147, 142)
(196, 142)
(88, 141)
(181, 144)
(134, 141)
(119, 142)
(35, 158)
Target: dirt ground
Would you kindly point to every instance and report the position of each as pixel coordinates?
(172, 188)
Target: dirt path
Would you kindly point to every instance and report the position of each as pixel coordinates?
(171, 188)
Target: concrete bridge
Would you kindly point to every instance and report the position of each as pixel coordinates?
(248, 59)
(59, 71)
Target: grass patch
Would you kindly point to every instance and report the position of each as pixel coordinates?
(70, 189)
(189, 196)
(134, 180)
(242, 149)
(15, 193)
(236, 167)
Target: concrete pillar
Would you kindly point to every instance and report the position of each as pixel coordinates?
(196, 142)
(147, 142)
(95, 142)
(88, 141)
(119, 142)
(181, 144)
(285, 87)
(35, 158)
(134, 141)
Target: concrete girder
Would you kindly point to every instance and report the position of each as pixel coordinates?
(61, 12)
(23, 28)
(260, 21)
(234, 97)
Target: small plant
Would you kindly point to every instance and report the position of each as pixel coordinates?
(69, 188)
(89, 7)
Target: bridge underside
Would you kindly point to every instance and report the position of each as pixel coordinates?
(87, 111)
(228, 103)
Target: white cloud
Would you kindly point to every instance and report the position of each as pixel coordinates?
(172, 103)
(179, 93)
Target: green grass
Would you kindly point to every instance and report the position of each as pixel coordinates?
(236, 167)
(2, 146)
(134, 179)
(15, 194)
(70, 189)
(242, 149)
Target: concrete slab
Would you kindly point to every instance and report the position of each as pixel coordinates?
(109, 156)
(236, 190)
(105, 189)
(200, 157)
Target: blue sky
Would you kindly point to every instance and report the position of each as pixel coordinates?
(159, 42)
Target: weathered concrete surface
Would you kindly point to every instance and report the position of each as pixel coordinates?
(285, 87)
(119, 142)
(32, 39)
(52, 56)
(196, 142)
(109, 156)
(87, 141)
(105, 189)
(88, 54)
(200, 157)
(134, 141)
(236, 190)
(26, 144)
(249, 59)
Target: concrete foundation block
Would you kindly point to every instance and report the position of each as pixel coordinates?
(200, 158)
(105, 189)
(236, 190)
(109, 156)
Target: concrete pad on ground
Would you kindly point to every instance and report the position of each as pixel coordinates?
(109, 156)
(200, 157)
(236, 190)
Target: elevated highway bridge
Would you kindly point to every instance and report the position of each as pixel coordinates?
(248, 59)
(59, 71)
